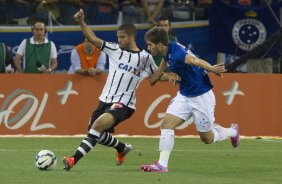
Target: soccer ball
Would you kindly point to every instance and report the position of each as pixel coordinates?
(45, 160)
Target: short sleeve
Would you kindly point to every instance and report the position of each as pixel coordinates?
(109, 48)
(53, 50)
(180, 53)
(21, 48)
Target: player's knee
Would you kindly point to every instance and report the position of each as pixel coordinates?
(167, 125)
(98, 126)
(170, 124)
(164, 126)
(206, 140)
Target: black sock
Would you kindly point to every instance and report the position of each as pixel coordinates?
(86, 145)
(107, 140)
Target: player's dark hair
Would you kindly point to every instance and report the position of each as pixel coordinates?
(163, 18)
(157, 35)
(129, 28)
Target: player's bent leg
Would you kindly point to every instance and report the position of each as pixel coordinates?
(167, 137)
(108, 121)
(171, 121)
(89, 142)
(207, 137)
(219, 133)
(122, 149)
(104, 122)
(120, 113)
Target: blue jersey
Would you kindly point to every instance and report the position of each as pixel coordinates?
(194, 80)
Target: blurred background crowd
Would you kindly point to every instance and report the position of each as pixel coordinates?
(215, 42)
(101, 12)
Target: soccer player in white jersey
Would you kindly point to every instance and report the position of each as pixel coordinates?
(128, 66)
(194, 98)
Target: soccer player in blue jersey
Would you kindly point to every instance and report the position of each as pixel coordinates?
(195, 97)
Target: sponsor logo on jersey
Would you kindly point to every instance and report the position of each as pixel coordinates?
(129, 69)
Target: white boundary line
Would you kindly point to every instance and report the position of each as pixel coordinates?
(129, 136)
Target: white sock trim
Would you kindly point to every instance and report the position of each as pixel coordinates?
(231, 132)
(167, 132)
(94, 132)
(81, 150)
(220, 133)
(88, 144)
(215, 135)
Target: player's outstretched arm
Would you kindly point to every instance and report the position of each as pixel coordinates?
(155, 77)
(172, 77)
(216, 69)
(88, 33)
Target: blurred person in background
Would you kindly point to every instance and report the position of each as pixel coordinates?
(107, 12)
(67, 9)
(132, 11)
(6, 59)
(89, 7)
(44, 8)
(3, 18)
(38, 53)
(86, 59)
(152, 9)
(165, 24)
(18, 11)
(183, 10)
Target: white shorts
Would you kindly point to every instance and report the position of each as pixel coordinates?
(201, 108)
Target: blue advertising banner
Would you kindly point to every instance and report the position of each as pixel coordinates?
(238, 29)
(65, 38)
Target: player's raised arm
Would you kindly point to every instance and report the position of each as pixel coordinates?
(88, 33)
(216, 69)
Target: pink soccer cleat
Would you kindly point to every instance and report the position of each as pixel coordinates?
(153, 168)
(235, 141)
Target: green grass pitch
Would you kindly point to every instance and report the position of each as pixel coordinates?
(256, 161)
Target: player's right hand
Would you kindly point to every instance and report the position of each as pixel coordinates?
(218, 69)
(79, 16)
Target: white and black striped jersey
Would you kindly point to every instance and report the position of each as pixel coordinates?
(126, 70)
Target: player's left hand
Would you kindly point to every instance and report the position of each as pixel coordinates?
(174, 78)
